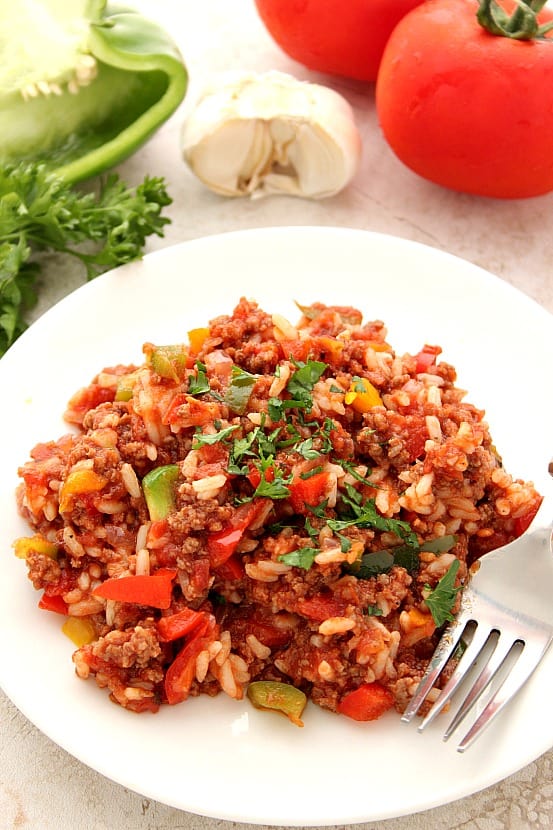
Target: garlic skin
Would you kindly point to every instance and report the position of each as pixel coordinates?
(260, 134)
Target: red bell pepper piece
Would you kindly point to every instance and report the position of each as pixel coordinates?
(181, 672)
(53, 603)
(178, 625)
(522, 523)
(231, 569)
(223, 543)
(154, 590)
(308, 491)
(367, 702)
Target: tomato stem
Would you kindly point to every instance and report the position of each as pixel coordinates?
(522, 24)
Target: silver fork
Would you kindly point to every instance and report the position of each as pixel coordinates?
(507, 610)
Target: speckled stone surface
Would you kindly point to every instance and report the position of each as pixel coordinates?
(41, 786)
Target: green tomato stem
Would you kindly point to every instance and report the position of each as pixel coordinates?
(522, 24)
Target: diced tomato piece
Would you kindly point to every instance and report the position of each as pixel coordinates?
(416, 436)
(298, 350)
(87, 399)
(426, 358)
(320, 607)
(186, 411)
(254, 475)
(53, 603)
(308, 491)
(368, 702)
(270, 635)
(178, 625)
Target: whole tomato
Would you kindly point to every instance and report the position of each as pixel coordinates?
(339, 37)
(467, 109)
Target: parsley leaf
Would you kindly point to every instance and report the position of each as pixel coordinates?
(200, 438)
(442, 598)
(365, 514)
(373, 611)
(301, 383)
(198, 384)
(39, 211)
(300, 558)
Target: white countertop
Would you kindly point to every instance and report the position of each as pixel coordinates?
(41, 786)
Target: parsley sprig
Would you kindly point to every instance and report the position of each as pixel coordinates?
(41, 212)
(442, 598)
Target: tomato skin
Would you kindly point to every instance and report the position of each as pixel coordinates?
(465, 109)
(334, 37)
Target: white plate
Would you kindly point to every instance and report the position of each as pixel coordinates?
(218, 757)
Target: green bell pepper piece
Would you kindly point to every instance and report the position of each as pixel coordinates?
(159, 491)
(83, 84)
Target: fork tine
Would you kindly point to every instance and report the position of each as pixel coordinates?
(445, 648)
(480, 638)
(489, 670)
(527, 661)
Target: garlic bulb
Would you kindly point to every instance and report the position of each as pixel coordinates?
(256, 134)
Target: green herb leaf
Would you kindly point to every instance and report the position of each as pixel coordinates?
(442, 598)
(301, 383)
(373, 611)
(39, 211)
(198, 384)
(300, 558)
(305, 449)
(200, 438)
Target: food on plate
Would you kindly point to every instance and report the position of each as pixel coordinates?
(265, 133)
(463, 96)
(40, 212)
(287, 511)
(334, 37)
(83, 84)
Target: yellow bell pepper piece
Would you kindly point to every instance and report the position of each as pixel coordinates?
(34, 544)
(196, 338)
(77, 482)
(362, 395)
(80, 631)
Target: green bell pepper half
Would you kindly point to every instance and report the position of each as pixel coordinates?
(83, 84)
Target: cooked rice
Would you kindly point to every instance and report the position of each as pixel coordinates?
(323, 485)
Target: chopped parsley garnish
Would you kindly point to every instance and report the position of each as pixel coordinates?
(365, 514)
(301, 383)
(275, 489)
(198, 384)
(300, 558)
(299, 387)
(442, 598)
(312, 472)
(373, 611)
(305, 449)
(200, 438)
